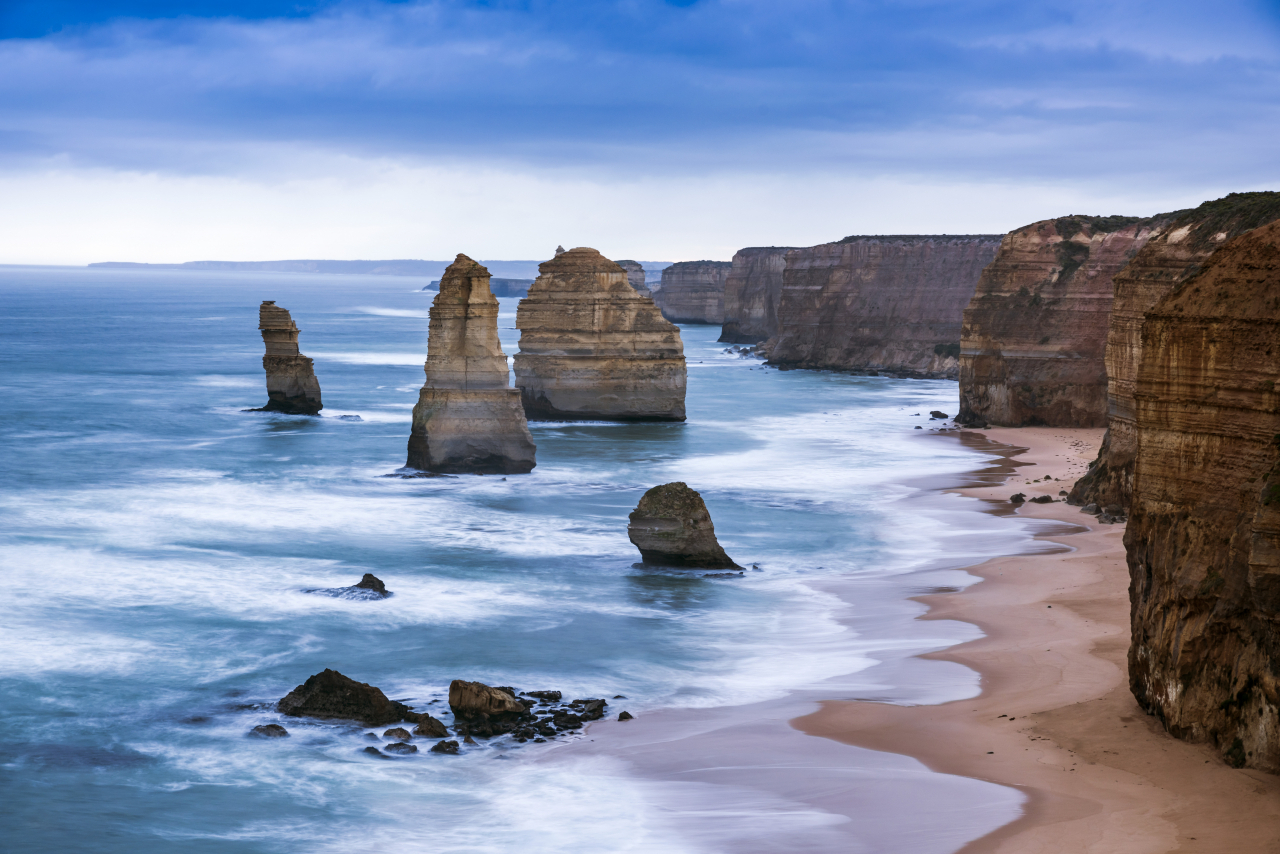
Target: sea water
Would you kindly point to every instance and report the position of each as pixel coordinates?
(158, 541)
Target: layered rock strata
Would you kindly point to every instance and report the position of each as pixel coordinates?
(886, 304)
(1035, 333)
(693, 291)
(468, 418)
(592, 348)
(292, 386)
(1165, 262)
(635, 276)
(752, 290)
(671, 527)
(1203, 538)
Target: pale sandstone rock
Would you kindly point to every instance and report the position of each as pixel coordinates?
(635, 276)
(671, 527)
(1203, 540)
(879, 303)
(592, 348)
(693, 291)
(292, 386)
(476, 698)
(468, 419)
(752, 291)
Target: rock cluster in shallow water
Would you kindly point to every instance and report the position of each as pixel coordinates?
(331, 695)
(671, 527)
(292, 386)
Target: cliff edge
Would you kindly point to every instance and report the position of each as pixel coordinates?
(693, 291)
(752, 290)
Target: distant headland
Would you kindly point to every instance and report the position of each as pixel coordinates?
(405, 267)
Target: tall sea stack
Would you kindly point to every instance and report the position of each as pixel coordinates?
(1165, 262)
(752, 290)
(635, 275)
(592, 348)
(693, 291)
(468, 419)
(1035, 333)
(1203, 538)
(883, 303)
(292, 386)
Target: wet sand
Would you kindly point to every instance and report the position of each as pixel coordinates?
(1055, 718)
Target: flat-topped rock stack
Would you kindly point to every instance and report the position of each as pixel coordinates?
(693, 291)
(292, 386)
(592, 348)
(752, 290)
(635, 275)
(468, 419)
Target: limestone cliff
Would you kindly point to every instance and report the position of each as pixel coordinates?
(1165, 262)
(635, 276)
(593, 348)
(693, 291)
(751, 294)
(1035, 333)
(292, 386)
(468, 418)
(887, 303)
(1203, 539)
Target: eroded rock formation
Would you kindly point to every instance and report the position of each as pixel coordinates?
(1035, 333)
(671, 527)
(635, 275)
(1166, 261)
(330, 695)
(292, 386)
(468, 418)
(889, 303)
(752, 290)
(693, 291)
(1203, 538)
(593, 348)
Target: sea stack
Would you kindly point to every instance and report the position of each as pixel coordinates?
(292, 386)
(1203, 539)
(693, 291)
(1168, 260)
(752, 290)
(635, 275)
(671, 527)
(591, 348)
(468, 418)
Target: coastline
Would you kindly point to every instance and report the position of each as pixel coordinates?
(1060, 725)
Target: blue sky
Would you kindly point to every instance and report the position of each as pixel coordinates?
(156, 130)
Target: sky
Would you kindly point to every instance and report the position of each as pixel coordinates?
(163, 131)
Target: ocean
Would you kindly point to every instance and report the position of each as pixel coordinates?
(157, 542)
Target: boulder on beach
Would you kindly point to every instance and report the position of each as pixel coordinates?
(330, 695)
(671, 527)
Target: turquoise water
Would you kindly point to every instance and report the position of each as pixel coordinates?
(156, 541)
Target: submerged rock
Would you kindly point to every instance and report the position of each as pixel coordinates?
(292, 386)
(372, 582)
(671, 527)
(369, 587)
(330, 695)
(450, 747)
(269, 731)
(401, 748)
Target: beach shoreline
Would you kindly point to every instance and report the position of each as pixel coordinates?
(1055, 719)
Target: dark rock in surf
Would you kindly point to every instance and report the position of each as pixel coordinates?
(373, 751)
(398, 733)
(332, 696)
(269, 731)
(671, 527)
(430, 727)
(401, 748)
(626, 716)
(589, 710)
(546, 696)
(1017, 498)
(938, 414)
(482, 710)
(372, 582)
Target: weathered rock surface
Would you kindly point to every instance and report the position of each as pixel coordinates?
(889, 303)
(450, 747)
(292, 386)
(1166, 261)
(671, 527)
(269, 731)
(330, 695)
(467, 699)
(430, 726)
(693, 291)
(1203, 539)
(593, 348)
(636, 277)
(752, 290)
(468, 419)
(1035, 333)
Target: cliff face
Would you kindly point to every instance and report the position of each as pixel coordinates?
(1166, 261)
(468, 418)
(593, 348)
(1203, 538)
(292, 386)
(635, 277)
(1035, 333)
(879, 303)
(693, 291)
(752, 290)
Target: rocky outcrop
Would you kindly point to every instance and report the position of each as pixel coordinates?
(752, 290)
(886, 304)
(1168, 259)
(468, 418)
(1203, 538)
(592, 348)
(635, 276)
(370, 587)
(292, 386)
(330, 695)
(1035, 333)
(693, 291)
(671, 527)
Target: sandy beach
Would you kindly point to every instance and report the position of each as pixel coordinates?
(1055, 718)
